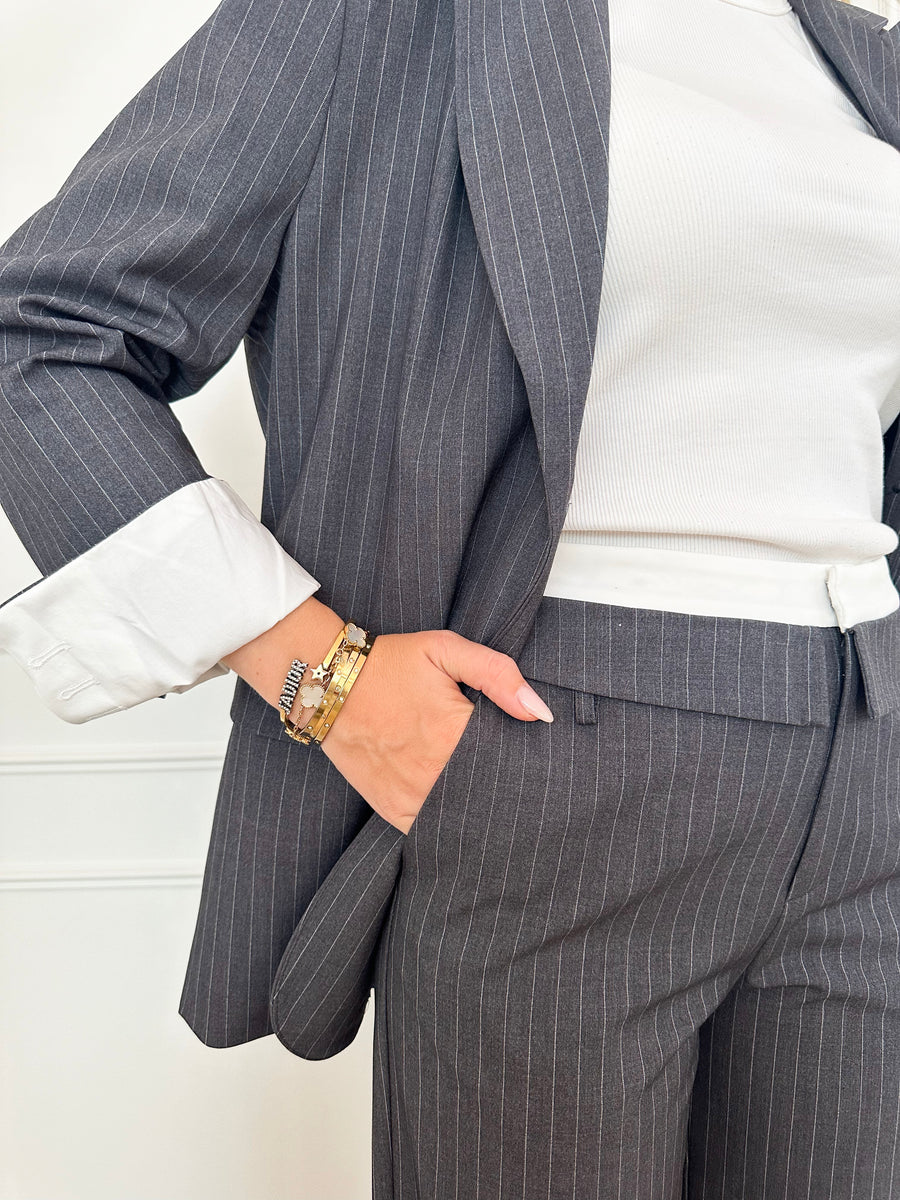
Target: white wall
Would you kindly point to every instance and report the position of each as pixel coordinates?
(105, 1094)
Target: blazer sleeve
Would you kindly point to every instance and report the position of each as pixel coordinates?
(128, 291)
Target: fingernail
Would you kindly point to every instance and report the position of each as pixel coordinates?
(529, 699)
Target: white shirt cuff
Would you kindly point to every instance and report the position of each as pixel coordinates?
(153, 607)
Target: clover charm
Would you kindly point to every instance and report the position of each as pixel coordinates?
(355, 636)
(312, 695)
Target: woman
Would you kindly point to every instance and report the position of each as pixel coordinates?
(633, 923)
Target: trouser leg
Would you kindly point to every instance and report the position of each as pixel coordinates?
(798, 1086)
(575, 901)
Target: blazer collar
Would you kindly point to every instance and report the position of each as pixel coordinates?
(532, 99)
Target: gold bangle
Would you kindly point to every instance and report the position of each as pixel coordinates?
(343, 680)
(350, 644)
(321, 672)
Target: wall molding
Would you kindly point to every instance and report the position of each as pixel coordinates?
(142, 756)
(111, 873)
(82, 874)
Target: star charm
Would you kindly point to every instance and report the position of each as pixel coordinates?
(320, 671)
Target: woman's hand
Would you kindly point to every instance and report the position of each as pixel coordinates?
(405, 714)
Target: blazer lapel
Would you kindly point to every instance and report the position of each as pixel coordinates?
(532, 103)
(533, 116)
(865, 55)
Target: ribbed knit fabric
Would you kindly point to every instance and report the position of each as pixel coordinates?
(747, 358)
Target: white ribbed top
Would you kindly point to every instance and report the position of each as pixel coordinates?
(747, 358)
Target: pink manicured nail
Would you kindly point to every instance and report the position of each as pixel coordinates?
(529, 699)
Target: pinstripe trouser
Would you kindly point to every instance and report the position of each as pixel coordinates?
(651, 950)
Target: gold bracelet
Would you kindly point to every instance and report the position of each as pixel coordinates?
(344, 676)
(342, 681)
(293, 730)
(350, 645)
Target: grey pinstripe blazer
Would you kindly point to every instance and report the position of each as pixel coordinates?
(401, 210)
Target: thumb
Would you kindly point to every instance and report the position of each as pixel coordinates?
(495, 674)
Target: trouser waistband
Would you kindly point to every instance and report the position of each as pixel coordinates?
(763, 670)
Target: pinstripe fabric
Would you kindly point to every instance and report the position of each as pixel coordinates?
(401, 209)
(271, 846)
(798, 1086)
(662, 657)
(586, 907)
(135, 284)
(322, 985)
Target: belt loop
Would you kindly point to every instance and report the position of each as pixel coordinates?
(831, 584)
(585, 708)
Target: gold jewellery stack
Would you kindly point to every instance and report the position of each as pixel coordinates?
(330, 682)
